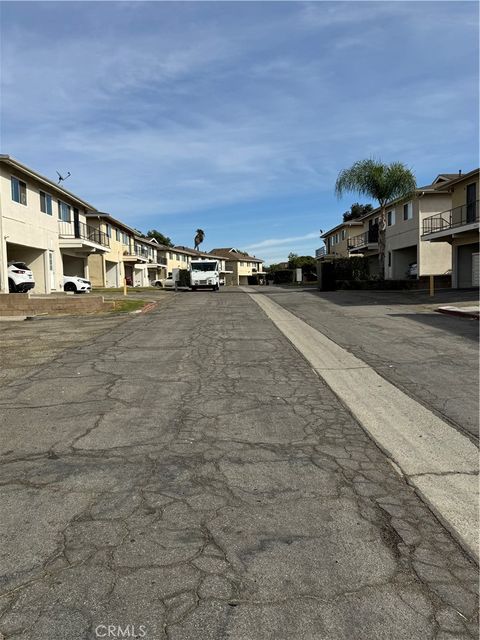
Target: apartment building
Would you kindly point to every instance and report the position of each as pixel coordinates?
(239, 265)
(44, 226)
(405, 254)
(130, 256)
(458, 225)
(337, 240)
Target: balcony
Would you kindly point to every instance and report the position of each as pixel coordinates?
(135, 254)
(453, 221)
(320, 253)
(367, 241)
(78, 235)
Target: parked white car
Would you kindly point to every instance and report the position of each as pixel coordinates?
(169, 281)
(20, 277)
(165, 283)
(76, 284)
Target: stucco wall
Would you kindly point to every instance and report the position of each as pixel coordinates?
(459, 195)
(26, 227)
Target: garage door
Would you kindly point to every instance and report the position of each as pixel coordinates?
(475, 269)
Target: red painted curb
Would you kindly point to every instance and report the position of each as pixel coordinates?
(149, 307)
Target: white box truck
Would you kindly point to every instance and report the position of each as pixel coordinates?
(204, 274)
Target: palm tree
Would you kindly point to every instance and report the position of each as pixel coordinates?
(383, 182)
(199, 238)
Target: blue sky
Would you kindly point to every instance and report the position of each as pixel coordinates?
(236, 117)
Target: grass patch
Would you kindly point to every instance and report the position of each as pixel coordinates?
(127, 306)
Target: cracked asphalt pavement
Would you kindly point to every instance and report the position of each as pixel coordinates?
(185, 473)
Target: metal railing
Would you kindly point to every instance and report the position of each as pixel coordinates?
(319, 253)
(364, 239)
(451, 219)
(82, 231)
(136, 252)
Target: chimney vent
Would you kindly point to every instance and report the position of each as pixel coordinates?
(459, 172)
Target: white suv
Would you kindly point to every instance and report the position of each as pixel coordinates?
(76, 284)
(20, 277)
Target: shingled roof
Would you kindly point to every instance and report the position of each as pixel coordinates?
(234, 254)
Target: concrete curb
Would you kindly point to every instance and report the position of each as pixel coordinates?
(439, 462)
(459, 312)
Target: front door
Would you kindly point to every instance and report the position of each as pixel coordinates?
(471, 202)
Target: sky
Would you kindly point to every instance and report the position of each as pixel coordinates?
(236, 117)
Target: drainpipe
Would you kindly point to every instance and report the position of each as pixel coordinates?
(3, 256)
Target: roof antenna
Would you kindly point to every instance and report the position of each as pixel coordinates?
(61, 178)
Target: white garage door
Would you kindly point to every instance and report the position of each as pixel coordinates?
(475, 269)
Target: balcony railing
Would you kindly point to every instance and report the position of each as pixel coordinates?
(82, 231)
(136, 252)
(364, 239)
(319, 253)
(451, 219)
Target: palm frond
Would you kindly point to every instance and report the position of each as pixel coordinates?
(377, 180)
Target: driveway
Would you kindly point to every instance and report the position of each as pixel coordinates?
(186, 475)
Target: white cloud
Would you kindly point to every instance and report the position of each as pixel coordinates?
(276, 242)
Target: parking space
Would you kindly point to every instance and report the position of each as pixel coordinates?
(26, 345)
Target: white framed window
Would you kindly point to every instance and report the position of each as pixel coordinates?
(407, 211)
(390, 218)
(344, 234)
(19, 191)
(64, 211)
(118, 235)
(108, 230)
(333, 240)
(46, 203)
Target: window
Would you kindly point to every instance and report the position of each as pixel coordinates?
(108, 230)
(46, 203)
(63, 211)
(390, 218)
(344, 234)
(118, 235)
(407, 211)
(389, 258)
(19, 191)
(333, 240)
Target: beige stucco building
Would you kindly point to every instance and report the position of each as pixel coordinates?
(239, 266)
(403, 246)
(337, 240)
(44, 226)
(130, 256)
(457, 225)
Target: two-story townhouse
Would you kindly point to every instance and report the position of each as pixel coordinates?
(132, 256)
(239, 265)
(108, 270)
(458, 226)
(405, 255)
(336, 240)
(44, 226)
(179, 257)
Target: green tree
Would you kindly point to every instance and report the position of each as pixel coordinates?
(159, 237)
(383, 182)
(357, 210)
(199, 238)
